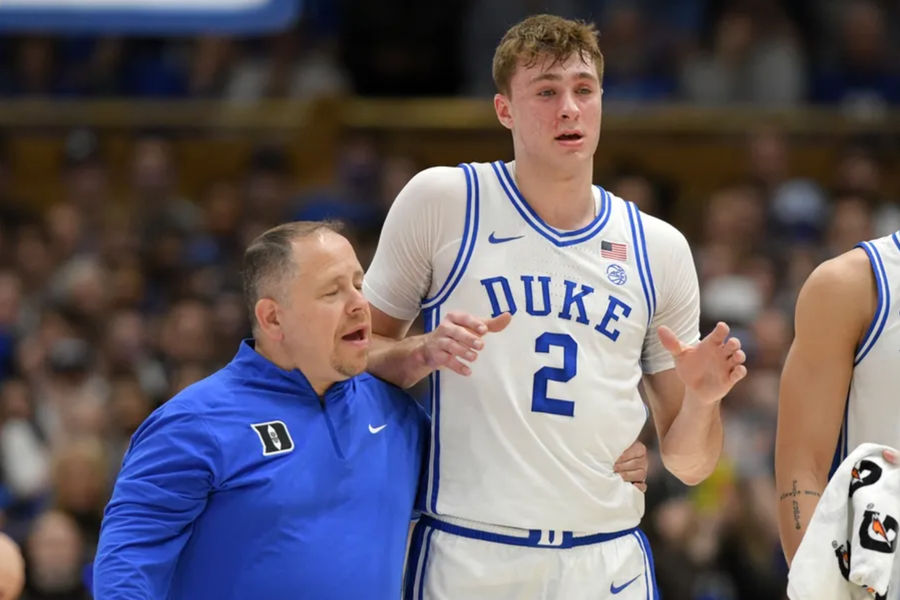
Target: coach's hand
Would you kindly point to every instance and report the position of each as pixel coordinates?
(459, 338)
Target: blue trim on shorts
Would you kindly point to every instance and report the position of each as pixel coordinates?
(652, 588)
(569, 539)
(412, 561)
(421, 577)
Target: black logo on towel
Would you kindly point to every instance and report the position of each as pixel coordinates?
(878, 533)
(274, 437)
(864, 473)
(842, 553)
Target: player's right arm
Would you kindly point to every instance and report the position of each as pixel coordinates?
(834, 309)
(164, 484)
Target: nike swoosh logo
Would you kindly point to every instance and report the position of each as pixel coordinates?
(376, 429)
(615, 590)
(499, 240)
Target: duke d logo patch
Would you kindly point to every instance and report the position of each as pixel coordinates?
(274, 437)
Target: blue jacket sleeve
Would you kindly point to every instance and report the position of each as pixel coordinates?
(166, 478)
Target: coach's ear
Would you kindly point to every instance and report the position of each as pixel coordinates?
(501, 107)
(268, 319)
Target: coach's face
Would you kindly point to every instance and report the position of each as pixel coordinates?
(324, 317)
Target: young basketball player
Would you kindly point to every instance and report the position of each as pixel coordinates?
(522, 498)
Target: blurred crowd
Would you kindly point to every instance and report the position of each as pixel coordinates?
(708, 52)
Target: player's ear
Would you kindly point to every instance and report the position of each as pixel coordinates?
(501, 107)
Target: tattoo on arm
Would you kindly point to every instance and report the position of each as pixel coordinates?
(795, 505)
(795, 492)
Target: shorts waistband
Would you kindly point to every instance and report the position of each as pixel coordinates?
(536, 538)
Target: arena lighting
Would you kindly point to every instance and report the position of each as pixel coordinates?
(153, 17)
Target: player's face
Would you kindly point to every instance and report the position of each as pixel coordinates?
(553, 110)
(326, 319)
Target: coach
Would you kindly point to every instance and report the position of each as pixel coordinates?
(287, 474)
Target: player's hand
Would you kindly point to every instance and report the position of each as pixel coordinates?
(710, 368)
(891, 457)
(632, 465)
(458, 338)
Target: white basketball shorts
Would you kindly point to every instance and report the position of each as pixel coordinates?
(453, 559)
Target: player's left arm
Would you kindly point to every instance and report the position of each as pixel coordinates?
(685, 400)
(685, 378)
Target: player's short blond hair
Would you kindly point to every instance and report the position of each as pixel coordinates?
(541, 37)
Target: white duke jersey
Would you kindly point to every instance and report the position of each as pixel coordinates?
(529, 439)
(872, 413)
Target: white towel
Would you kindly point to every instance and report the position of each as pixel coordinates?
(849, 547)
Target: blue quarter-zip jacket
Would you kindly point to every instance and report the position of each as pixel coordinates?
(248, 485)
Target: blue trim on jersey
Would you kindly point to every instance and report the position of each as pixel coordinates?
(467, 244)
(515, 195)
(896, 239)
(436, 459)
(432, 318)
(640, 222)
(846, 426)
(884, 303)
(638, 261)
(555, 236)
(570, 540)
(840, 448)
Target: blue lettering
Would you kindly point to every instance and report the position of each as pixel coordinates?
(528, 280)
(577, 300)
(492, 295)
(603, 327)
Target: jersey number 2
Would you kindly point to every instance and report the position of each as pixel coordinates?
(539, 400)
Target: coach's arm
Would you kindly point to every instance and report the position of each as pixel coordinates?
(404, 360)
(166, 478)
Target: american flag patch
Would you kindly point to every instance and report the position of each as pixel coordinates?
(614, 250)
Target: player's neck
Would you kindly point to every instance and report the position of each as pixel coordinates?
(563, 200)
